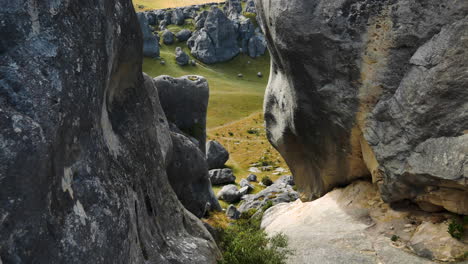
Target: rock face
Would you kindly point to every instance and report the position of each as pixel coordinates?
(371, 88)
(188, 175)
(222, 176)
(85, 143)
(355, 219)
(185, 102)
(257, 46)
(216, 41)
(183, 35)
(150, 42)
(216, 154)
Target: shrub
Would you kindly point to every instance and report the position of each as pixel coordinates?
(267, 206)
(394, 238)
(455, 229)
(253, 131)
(230, 133)
(245, 242)
(266, 181)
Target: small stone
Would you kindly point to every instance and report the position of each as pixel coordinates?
(162, 62)
(259, 74)
(193, 63)
(252, 178)
(240, 75)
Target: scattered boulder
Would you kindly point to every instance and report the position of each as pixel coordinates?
(244, 183)
(252, 178)
(276, 193)
(233, 7)
(181, 57)
(216, 41)
(286, 179)
(200, 19)
(150, 42)
(216, 154)
(240, 75)
(189, 178)
(257, 46)
(221, 176)
(178, 17)
(389, 102)
(162, 25)
(162, 62)
(183, 35)
(232, 212)
(259, 74)
(185, 102)
(244, 190)
(193, 63)
(229, 193)
(168, 37)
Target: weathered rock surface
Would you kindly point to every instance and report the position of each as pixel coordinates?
(168, 37)
(252, 178)
(229, 193)
(216, 154)
(216, 41)
(222, 176)
(150, 42)
(181, 57)
(286, 179)
(361, 88)
(245, 183)
(178, 17)
(257, 46)
(185, 102)
(188, 175)
(232, 7)
(232, 212)
(276, 193)
(85, 143)
(183, 35)
(250, 7)
(353, 225)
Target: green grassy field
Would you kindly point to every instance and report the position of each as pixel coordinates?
(141, 5)
(231, 98)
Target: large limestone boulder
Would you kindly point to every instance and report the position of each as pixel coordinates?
(185, 102)
(375, 89)
(353, 225)
(188, 175)
(150, 41)
(216, 41)
(85, 142)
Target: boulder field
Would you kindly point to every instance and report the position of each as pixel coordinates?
(375, 89)
(85, 143)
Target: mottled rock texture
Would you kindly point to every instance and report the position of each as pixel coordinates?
(362, 88)
(84, 142)
(150, 41)
(185, 102)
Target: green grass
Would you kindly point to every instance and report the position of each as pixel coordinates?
(141, 5)
(231, 98)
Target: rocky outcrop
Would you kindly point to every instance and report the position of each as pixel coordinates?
(85, 143)
(183, 35)
(216, 154)
(357, 220)
(229, 193)
(150, 42)
(185, 102)
(188, 175)
(371, 89)
(181, 57)
(216, 41)
(274, 194)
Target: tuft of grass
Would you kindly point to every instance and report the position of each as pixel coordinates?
(141, 5)
(266, 181)
(456, 229)
(394, 238)
(218, 220)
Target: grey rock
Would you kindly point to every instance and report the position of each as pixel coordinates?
(276, 193)
(232, 7)
(200, 19)
(250, 7)
(244, 190)
(181, 57)
(244, 183)
(162, 25)
(229, 193)
(245, 30)
(188, 174)
(259, 74)
(185, 102)
(178, 17)
(184, 35)
(257, 46)
(216, 41)
(222, 176)
(286, 179)
(216, 154)
(193, 63)
(162, 62)
(150, 42)
(240, 75)
(370, 97)
(85, 142)
(252, 178)
(232, 212)
(168, 37)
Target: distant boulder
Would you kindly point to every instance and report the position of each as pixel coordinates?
(232, 212)
(257, 45)
(200, 19)
(150, 42)
(229, 193)
(181, 57)
(221, 176)
(250, 7)
(252, 178)
(183, 35)
(178, 17)
(233, 7)
(216, 41)
(168, 37)
(216, 154)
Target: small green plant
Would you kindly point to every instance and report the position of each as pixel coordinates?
(394, 238)
(266, 181)
(267, 205)
(230, 133)
(455, 229)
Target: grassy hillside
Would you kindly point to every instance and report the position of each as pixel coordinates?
(141, 5)
(231, 98)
